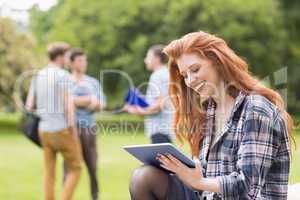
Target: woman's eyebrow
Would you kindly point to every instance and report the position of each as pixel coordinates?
(194, 65)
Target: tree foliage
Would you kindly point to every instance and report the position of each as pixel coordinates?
(116, 34)
(16, 56)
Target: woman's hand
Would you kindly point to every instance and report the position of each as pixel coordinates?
(192, 177)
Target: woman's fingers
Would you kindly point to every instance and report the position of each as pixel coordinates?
(163, 158)
(166, 161)
(169, 159)
(175, 161)
(198, 164)
(172, 163)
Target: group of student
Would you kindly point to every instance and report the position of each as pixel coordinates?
(238, 130)
(66, 104)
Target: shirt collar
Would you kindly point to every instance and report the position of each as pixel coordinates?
(53, 65)
(210, 120)
(238, 102)
(211, 108)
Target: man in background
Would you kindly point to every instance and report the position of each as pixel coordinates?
(50, 94)
(89, 98)
(159, 114)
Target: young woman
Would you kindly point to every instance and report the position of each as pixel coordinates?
(237, 129)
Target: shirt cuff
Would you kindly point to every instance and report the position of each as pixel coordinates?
(222, 182)
(228, 185)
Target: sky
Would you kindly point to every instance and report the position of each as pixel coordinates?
(17, 9)
(26, 4)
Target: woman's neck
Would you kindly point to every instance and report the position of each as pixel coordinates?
(221, 95)
(224, 101)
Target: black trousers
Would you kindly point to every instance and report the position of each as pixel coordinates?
(160, 138)
(88, 141)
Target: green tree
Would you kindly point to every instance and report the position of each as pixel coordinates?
(292, 54)
(16, 56)
(116, 34)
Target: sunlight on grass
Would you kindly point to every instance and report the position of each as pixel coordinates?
(21, 167)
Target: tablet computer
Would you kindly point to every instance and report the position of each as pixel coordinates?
(147, 153)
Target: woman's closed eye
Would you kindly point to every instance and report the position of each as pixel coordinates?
(195, 70)
(192, 71)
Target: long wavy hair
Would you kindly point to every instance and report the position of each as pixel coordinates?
(189, 119)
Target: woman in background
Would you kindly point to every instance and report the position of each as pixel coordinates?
(238, 130)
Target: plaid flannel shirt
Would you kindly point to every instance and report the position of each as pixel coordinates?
(251, 156)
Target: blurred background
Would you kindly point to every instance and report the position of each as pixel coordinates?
(116, 35)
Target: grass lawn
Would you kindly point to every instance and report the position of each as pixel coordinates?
(21, 167)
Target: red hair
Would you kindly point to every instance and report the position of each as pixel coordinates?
(233, 69)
